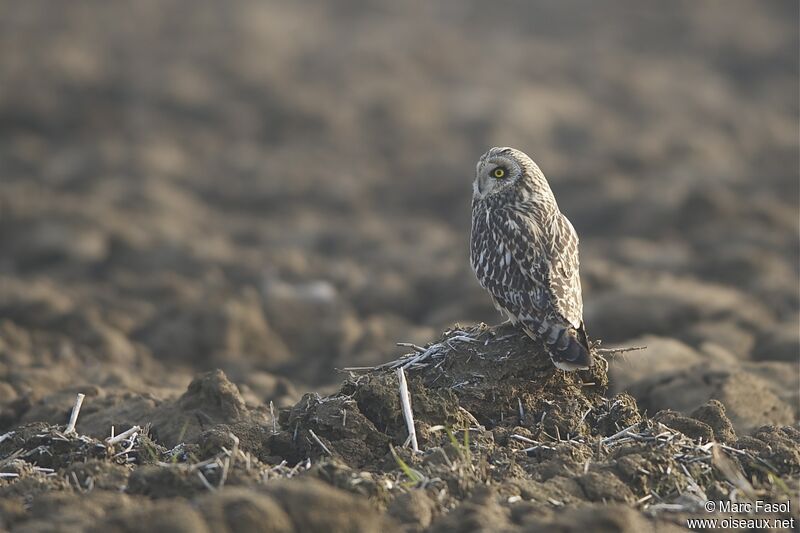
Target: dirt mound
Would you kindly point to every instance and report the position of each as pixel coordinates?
(454, 384)
(490, 408)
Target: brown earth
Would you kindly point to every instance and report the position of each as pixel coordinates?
(207, 208)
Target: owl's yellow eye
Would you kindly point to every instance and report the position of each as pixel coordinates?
(499, 173)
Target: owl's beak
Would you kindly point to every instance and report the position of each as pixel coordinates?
(482, 186)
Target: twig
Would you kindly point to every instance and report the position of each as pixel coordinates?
(414, 347)
(322, 444)
(731, 471)
(523, 439)
(77, 482)
(228, 460)
(208, 485)
(414, 360)
(472, 418)
(462, 338)
(130, 446)
(538, 446)
(201, 464)
(669, 507)
(272, 416)
(122, 436)
(419, 358)
(617, 351)
(619, 434)
(408, 414)
(692, 484)
(73, 417)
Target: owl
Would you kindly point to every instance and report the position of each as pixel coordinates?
(525, 254)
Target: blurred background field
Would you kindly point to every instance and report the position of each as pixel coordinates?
(279, 189)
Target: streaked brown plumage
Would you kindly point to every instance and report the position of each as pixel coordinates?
(525, 254)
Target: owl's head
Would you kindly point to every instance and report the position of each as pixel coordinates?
(503, 169)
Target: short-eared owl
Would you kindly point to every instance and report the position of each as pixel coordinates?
(525, 253)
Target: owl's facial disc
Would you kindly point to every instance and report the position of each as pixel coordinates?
(495, 174)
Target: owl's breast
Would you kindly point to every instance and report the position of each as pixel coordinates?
(481, 239)
(490, 255)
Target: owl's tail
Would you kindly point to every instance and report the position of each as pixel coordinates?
(569, 348)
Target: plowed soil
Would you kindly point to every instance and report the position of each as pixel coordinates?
(218, 219)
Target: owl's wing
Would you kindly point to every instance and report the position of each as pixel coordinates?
(564, 277)
(547, 265)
